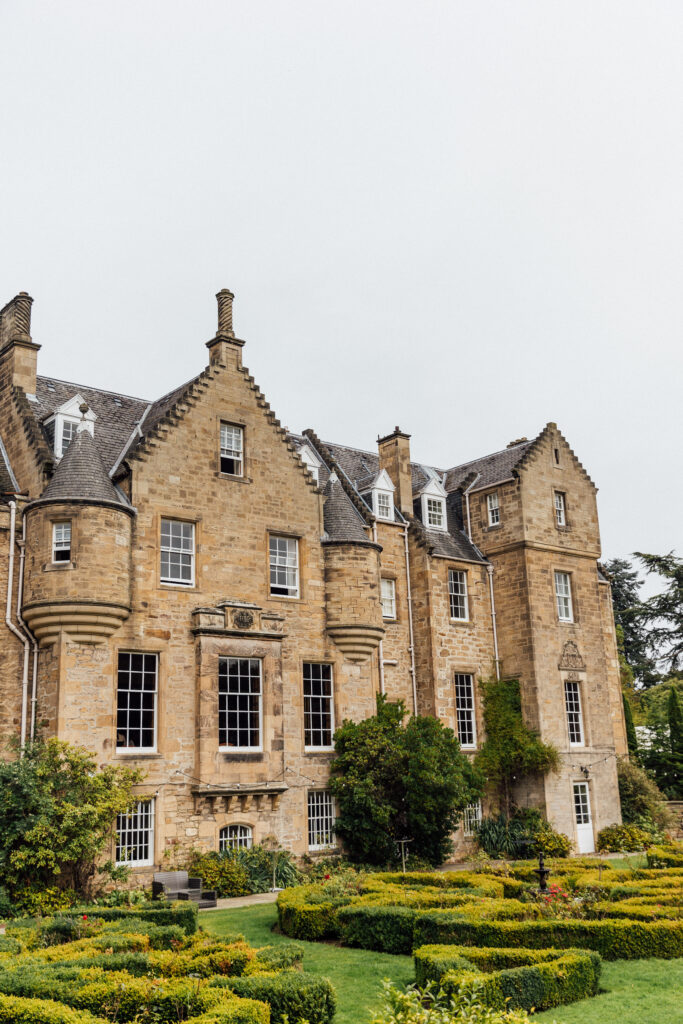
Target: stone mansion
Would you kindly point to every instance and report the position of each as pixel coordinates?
(194, 590)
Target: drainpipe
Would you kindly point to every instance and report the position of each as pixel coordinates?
(410, 620)
(467, 503)
(489, 569)
(381, 643)
(27, 631)
(10, 625)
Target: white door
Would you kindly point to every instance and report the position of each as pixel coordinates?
(582, 812)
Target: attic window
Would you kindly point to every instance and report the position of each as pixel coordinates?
(435, 513)
(383, 504)
(232, 449)
(68, 433)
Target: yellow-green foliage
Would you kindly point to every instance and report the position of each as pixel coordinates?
(670, 856)
(116, 974)
(518, 978)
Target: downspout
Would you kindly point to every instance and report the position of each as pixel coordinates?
(489, 569)
(10, 625)
(410, 620)
(467, 504)
(381, 643)
(27, 631)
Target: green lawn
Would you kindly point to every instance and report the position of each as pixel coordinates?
(355, 973)
(635, 991)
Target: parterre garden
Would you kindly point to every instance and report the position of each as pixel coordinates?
(485, 935)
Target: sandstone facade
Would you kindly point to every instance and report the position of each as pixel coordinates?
(231, 591)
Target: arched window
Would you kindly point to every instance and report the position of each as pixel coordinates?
(232, 837)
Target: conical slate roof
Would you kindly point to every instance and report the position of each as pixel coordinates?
(342, 522)
(81, 474)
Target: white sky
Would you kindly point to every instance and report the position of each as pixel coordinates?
(464, 218)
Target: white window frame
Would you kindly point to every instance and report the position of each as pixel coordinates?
(560, 508)
(321, 799)
(168, 547)
(308, 710)
(388, 599)
(457, 589)
(563, 596)
(128, 825)
(574, 712)
(72, 426)
(493, 508)
(471, 818)
(383, 505)
(70, 413)
(465, 709)
(235, 837)
(224, 711)
(125, 750)
(276, 562)
(60, 542)
(232, 447)
(440, 518)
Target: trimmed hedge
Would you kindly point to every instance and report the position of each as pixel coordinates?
(665, 856)
(516, 978)
(303, 920)
(387, 929)
(291, 996)
(42, 1011)
(614, 940)
(480, 884)
(180, 912)
(9, 945)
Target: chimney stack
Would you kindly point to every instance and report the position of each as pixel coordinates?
(394, 456)
(225, 348)
(18, 352)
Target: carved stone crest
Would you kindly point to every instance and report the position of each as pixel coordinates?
(243, 619)
(571, 658)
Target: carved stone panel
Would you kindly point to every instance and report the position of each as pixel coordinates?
(571, 658)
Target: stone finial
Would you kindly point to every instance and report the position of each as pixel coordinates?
(225, 297)
(83, 425)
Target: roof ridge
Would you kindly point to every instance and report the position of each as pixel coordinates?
(104, 391)
(490, 455)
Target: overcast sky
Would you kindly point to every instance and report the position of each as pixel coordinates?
(464, 218)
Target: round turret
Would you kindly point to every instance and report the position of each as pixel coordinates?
(77, 575)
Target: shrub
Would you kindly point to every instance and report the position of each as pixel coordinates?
(302, 918)
(665, 856)
(640, 798)
(181, 912)
(425, 1006)
(520, 978)
(220, 871)
(291, 996)
(523, 835)
(614, 940)
(42, 1011)
(622, 837)
(387, 929)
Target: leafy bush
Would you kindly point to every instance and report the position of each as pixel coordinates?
(387, 929)
(219, 871)
(42, 1011)
(523, 835)
(615, 838)
(427, 1006)
(291, 997)
(669, 856)
(640, 798)
(393, 781)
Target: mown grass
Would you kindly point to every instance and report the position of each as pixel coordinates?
(634, 991)
(355, 973)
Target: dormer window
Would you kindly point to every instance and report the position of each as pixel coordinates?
(61, 427)
(382, 495)
(311, 462)
(436, 513)
(68, 433)
(383, 504)
(433, 503)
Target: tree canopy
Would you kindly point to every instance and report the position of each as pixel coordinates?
(393, 781)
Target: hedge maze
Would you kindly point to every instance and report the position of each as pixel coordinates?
(150, 965)
(493, 933)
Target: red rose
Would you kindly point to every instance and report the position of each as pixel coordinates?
(327, 877)
(85, 917)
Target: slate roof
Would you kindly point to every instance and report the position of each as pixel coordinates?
(116, 414)
(81, 474)
(492, 468)
(342, 521)
(8, 483)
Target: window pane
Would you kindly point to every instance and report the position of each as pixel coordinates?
(457, 592)
(493, 509)
(320, 820)
(385, 509)
(136, 696)
(232, 444)
(471, 818)
(464, 709)
(318, 706)
(560, 517)
(233, 837)
(61, 542)
(135, 834)
(177, 552)
(388, 595)
(572, 700)
(435, 512)
(239, 703)
(563, 594)
(284, 566)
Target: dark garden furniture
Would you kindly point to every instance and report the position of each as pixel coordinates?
(177, 885)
